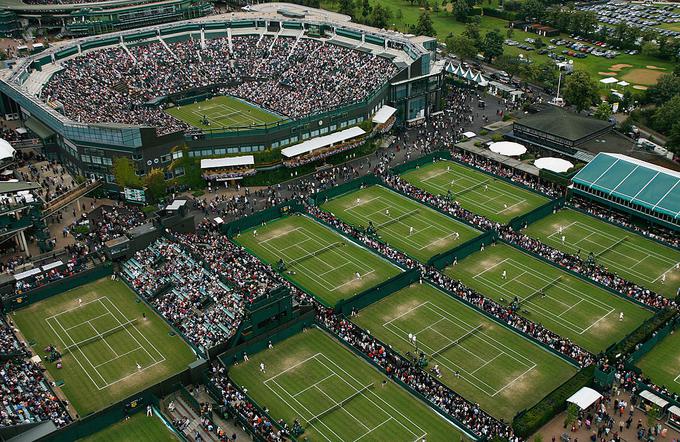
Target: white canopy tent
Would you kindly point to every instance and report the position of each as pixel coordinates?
(609, 80)
(508, 148)
(320, 142)
(383, 114)
(6, 150)
(244, 160)
(623, 83)
(553, 164)
(584, 398)
(469, 134)
(654, 399)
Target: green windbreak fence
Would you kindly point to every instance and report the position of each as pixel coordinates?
(375, 294)
(260, 217)
(325, 195)
(645, 347)
(546, 209)
(56, 287)
(438, 155)
(464, 250)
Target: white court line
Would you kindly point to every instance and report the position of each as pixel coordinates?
(514, 380)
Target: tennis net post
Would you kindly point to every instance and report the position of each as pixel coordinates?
(339, 404)
(456, 342)
(99, 336)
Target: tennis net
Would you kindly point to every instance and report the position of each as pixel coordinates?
(342, 403)
(314, 253)
(98, 337)
(473, 187)
(457, 341)
(397, 219)
(541, 290)
(607, 249)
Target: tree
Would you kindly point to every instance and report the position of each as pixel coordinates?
(572, 415)
(603, 111)
(667, 115)
(346, 7)
(155, 183)
(365, 9)
(665, 88)
(471, 31)
(424, 25)
(508, 63)
(191, 168)
(652, 415)
(461, 10)
(510, 32)
(534, 9)
(124, 172)
(580, 90)
(380, 16)
(462, 46)
(492, 45)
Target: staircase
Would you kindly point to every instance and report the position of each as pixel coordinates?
(185, 409)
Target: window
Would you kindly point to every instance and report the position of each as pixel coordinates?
(97, 160)
(179, 171)
(220, 151)
(107, 161)
(137, 156)
(167, 175)
(166, 158)
(110, 179)
(86, 158)
(232, 150)
(324, 130)
(178, 154)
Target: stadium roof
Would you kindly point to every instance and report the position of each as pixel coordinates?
(564, 124)
(325, 141)
(638, 182)
(243, 160)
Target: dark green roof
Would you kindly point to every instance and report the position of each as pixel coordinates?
(638, 182)
(564, 124)
(12, 187)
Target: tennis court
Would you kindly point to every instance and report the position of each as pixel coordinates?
(223, 112)
(476, 191)
(317, 258)
(336, 395)
(662, 363)
(634, 257)
(138, 428)
(110, 345)
(587, 314)
(405, 224)
(478, 358)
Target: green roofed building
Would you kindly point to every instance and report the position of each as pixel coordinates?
(633, 186)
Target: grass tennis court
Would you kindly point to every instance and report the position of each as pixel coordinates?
(318, 258)
(223, 112)
(630, 255)
(497, 368)
(109, 351)
(476, 191)
(405, 224)
(139, 428)
(565, 304)
(335, 394)
(662, 363)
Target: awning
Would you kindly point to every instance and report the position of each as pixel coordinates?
(383, 114)
(320, 142)
(6, 150)
(218, 220)
(609, 80)
(21, 130)
(51, 265)
(508, 148)
(553, 164)
(674, 409)
(584, 398)
(176, 205)
(656, 400)
(469, 134)
(27, 273)
(244, 160)
(38, 128)
(623, 83)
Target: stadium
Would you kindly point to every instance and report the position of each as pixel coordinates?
(252, 83)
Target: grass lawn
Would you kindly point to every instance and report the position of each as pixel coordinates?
(567, 305)
(318, 258)
(662, 363)
(630, 255)
(394, 215)
(477, 192)
(335, 394)
(499, 369)
(139, 428)
(102, 341)
(223, 112)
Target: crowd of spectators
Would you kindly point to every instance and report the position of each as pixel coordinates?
(655, 232)
(53, 178)
(290, 77)
(75, 264)
(106, 223)
(9, 344)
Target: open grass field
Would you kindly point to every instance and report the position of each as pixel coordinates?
(497, 368)
(630, 255)
(139, 428)
(318, 258)
(405, 224)
(109, 351)
(565, 304)
(336, 395)
(662, 363)
(475, 191)
(223, 112)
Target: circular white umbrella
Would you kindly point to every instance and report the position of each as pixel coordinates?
(508, 148)
(553, 164)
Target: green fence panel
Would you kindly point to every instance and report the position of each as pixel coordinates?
(649, 344)
(350, 186)
(464, 250)
(540, 212)
(426, 159)
(54, 288)
(605, 379)
(375, 294)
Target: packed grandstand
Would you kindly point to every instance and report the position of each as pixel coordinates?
(286, 75)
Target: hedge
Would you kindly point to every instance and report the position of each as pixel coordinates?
(505, 15)
(641, 334)
(529, 421)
